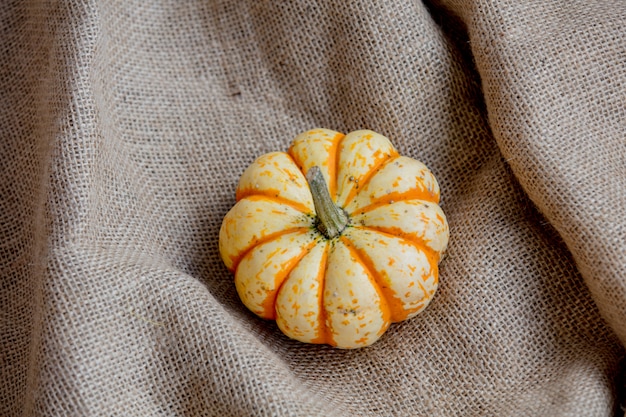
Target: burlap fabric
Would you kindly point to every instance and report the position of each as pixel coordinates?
(125, 127)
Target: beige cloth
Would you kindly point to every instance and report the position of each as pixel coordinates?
(126, 124)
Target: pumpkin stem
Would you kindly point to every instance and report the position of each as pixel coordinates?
(331, 219)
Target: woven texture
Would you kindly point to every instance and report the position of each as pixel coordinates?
(126, 125)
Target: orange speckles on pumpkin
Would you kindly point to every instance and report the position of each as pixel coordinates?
(296, 308)
(362, 341)
(362, 161)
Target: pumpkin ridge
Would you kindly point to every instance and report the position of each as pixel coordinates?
(272, 196)
(267, 238)
(331, 160)
(334, 163)
(325, 335)
(396, 307)
(270, 302)
(390, 199)
(387, 308)
(432, 255)
(295, 158)
(419, 280)
(367, 176)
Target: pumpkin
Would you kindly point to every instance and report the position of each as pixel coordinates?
(336, 238)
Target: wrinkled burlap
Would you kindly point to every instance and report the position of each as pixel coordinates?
(125, 126)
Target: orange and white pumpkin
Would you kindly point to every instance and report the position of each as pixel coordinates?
(336, 238)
